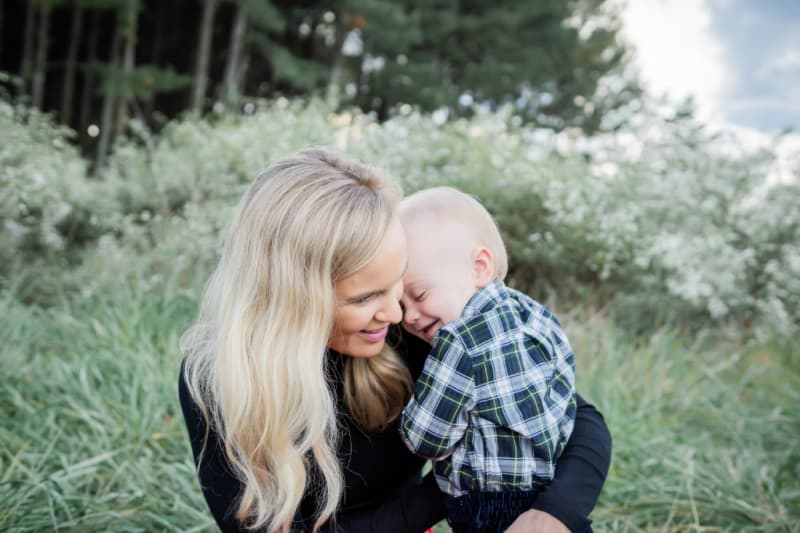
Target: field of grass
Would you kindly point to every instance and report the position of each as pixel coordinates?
(705, 425)
(100, 274)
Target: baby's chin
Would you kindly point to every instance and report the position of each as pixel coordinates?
(430, 335)
(418, 334)
(426, 334)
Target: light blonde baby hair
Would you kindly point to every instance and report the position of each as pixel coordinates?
(256, 359)
(449, 205)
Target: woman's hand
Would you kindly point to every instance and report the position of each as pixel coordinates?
(535, 521)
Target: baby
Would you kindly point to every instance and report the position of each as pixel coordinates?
(495, 403)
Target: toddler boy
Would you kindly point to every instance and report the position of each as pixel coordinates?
(495, 403)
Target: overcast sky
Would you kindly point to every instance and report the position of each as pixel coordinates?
(740, 59)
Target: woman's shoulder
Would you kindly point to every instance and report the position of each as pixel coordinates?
(196, 423)
(183, 387)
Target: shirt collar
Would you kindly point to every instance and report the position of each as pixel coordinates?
(485, 299)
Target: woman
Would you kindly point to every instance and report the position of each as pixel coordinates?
(290, 386)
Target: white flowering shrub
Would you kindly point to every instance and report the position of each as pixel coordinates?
(44, 193)
(704, 226)
(663, 218)
(198, 160)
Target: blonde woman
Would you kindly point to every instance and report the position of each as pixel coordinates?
(295, 373)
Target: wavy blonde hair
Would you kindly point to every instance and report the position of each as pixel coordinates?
(256, 358)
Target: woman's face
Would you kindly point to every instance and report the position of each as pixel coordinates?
(369, 300)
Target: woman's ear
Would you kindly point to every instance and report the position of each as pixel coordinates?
(482, 267)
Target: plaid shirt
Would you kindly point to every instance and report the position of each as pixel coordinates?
(495, 403)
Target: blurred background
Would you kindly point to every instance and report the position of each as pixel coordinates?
(640, 159)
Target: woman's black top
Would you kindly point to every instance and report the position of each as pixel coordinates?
(383, 488)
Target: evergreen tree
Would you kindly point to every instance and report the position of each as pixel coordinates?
(545, 57)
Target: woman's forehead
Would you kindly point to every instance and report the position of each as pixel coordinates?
(385, 269)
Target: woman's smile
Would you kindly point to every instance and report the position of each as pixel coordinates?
(375, 335)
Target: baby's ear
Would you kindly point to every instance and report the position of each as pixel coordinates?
(482, 267)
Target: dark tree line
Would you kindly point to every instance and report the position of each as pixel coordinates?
(98, 63)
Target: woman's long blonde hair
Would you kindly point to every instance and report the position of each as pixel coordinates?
(256, 359)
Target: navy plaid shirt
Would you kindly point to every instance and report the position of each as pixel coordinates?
(495, 403)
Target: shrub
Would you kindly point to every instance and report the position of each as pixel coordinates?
(664, 219)
(46, 200)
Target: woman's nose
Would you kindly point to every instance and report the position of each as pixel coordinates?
(390, 312)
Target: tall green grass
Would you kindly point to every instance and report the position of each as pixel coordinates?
(92, 438)
(705, 427)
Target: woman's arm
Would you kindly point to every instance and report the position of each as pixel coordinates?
(580, 473)
(414, 510)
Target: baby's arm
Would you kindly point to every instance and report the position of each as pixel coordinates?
(560, 395)
(543, 405)
(436, 417)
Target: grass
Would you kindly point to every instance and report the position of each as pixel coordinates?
(705, 426)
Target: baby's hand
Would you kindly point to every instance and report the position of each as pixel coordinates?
(535, 521)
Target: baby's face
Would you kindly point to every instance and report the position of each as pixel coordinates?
(439, 280)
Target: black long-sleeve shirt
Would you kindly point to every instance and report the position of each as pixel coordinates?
(383, 490)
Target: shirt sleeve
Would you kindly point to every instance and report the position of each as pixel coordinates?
(436, 417)
(580, 472)
(220, 486)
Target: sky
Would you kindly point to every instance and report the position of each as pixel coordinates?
(738, 59)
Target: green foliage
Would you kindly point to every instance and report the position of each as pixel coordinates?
(264, 15)
(46, 201)
(661, 221)
(300, 73)
(101, 276)
(92, 436)
(547, 58)
(551, 59)
(143, 82)
(704, 429)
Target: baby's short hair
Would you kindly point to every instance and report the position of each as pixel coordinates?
(452, 205)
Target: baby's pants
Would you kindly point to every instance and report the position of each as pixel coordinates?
(487, 512)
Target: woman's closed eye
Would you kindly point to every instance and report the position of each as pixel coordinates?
(364, 299)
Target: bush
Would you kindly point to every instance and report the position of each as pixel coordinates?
(661, 220)
(46, 200)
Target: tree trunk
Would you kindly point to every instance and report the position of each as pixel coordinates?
(2, 6)
(72, 59)
(131, 19)
(107, 116)
(230, 94)
(203, 54)
(27, 46)
(40, 67)
(88, 79)
(155, 58)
